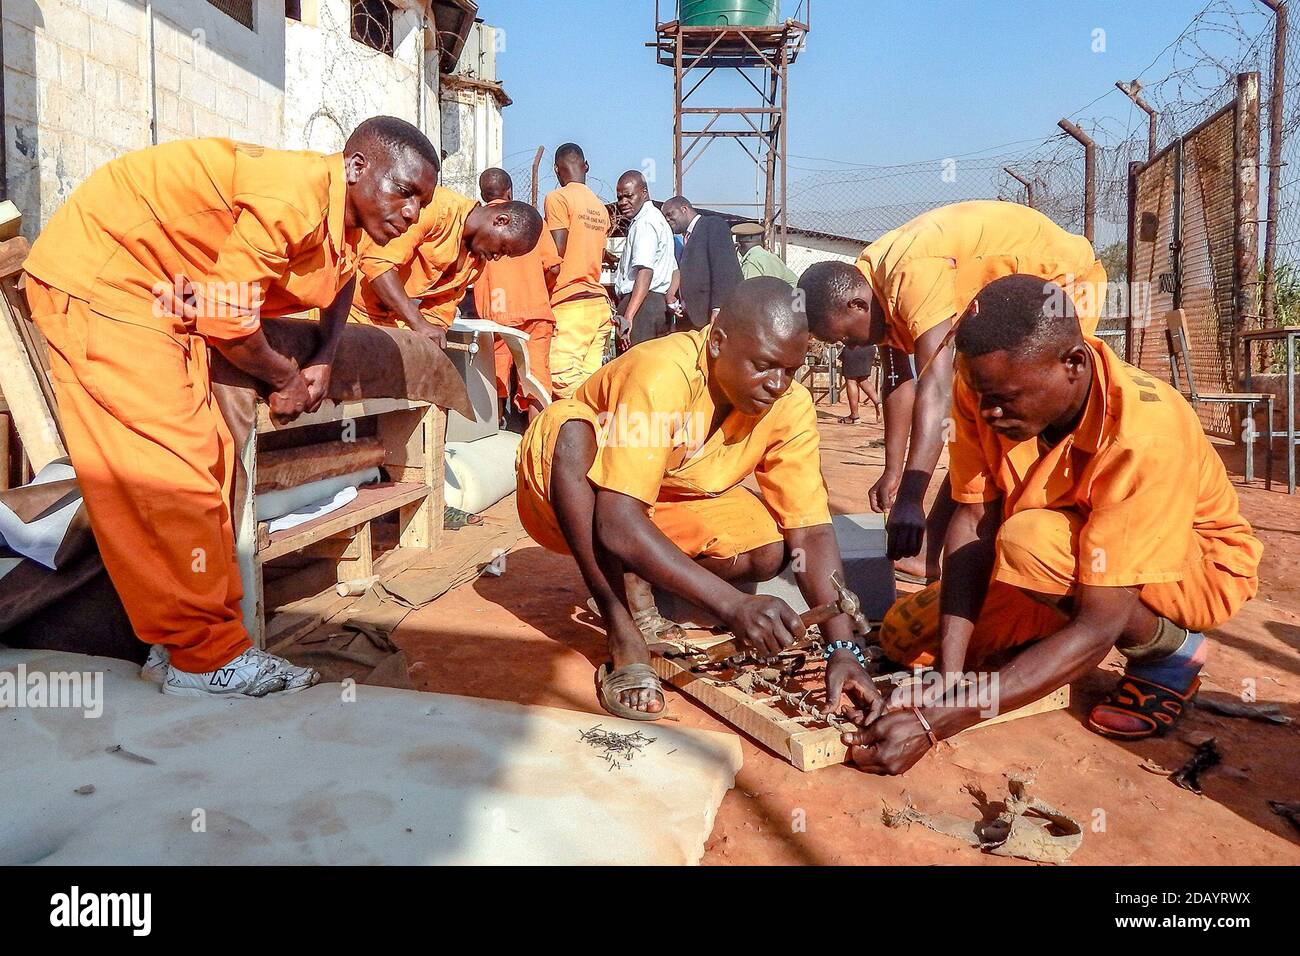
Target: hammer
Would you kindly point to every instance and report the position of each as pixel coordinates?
(846, 602)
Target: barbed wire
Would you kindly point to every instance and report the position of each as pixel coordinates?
(1193, 77)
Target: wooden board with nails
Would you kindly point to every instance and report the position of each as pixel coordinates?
(808, 744)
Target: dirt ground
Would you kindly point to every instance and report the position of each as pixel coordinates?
(525, 637)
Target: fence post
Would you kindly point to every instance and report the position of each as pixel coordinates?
(1089, 175)
(1132, 91)
(1245, 211)
(537, 161)
(1277, 83)
(1029, 186)
(1130, 264)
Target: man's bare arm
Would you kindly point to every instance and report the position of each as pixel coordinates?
(561, 237)
(625, 530)
(253, 354)
(389, 289)
(816, 556)
(932, 406)
(1052, 662)
(898, 390)
(970, 549)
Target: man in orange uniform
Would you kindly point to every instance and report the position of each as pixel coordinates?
(1092, 513)
(579, 224)
(420, 277)
(640, 472)
(907, 290)
(516, 292)
(159, 254)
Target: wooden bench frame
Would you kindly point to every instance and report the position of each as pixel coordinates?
(412, 434)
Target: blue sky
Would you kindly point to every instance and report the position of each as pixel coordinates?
(882, 82)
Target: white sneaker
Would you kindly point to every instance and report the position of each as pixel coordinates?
(154, 669)
(253, 673)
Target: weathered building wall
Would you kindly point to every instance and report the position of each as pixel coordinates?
(86, 80)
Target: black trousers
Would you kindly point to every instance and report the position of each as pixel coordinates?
(653, 319)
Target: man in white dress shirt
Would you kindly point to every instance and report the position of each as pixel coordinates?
(646, 276)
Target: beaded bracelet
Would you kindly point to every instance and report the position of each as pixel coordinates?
(834, 646)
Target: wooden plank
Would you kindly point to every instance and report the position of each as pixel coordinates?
(731, 704)
(300, 618)
(26, 387)
(421, 522)
(290, 467)
(332, 411)
(371, 502)
(357, 560)
(13, 253)
(5, 462)
(248, 542)
(1059, 699)
(807, 748)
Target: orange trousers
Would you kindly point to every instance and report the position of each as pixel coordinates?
(540, 332)
(716, 526)
(155, 462)
(1037, 551)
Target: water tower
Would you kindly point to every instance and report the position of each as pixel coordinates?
(747, 38)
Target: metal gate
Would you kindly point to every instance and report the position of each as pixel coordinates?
(1187, 221)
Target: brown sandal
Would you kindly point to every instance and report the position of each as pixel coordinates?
(610, 683)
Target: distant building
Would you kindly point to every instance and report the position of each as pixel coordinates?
(87, 80)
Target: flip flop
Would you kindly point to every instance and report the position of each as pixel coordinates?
(610, 683)
(654, 627)
(850, 420)
(907, 578)
(1153, 704)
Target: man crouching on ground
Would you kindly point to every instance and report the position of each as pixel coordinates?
(638, 476)
(1093, 513)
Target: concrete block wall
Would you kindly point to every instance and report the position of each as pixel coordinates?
(85, 81)
(335, 82)
(77, 85)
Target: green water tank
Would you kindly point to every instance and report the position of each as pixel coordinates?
(728, 13)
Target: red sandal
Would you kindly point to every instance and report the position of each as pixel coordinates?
(1137, 699)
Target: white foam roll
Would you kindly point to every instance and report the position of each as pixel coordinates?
(480, 473)
(276, 504)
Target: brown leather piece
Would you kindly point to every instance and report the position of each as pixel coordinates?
(372, 362)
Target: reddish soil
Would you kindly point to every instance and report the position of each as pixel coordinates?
(525, 637)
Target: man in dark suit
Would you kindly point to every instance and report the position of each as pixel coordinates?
(709, 267)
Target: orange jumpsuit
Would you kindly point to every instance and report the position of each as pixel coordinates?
(928, 270)
(433, 263)
(650, 409)
(243, 232)
(1134, 497)
(512, 292)
(583, 318)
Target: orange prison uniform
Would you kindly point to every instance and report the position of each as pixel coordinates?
(512, 291)
(651, 410)
(928, 270)
(1135, 496)
(254, 232)
(583, 318)
(433, 263)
